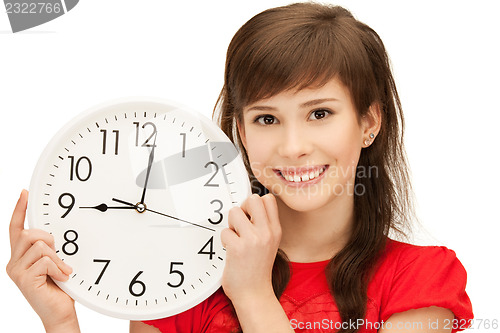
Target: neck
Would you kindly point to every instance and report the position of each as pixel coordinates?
(318, 234)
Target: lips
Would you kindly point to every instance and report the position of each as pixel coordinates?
(302, 175)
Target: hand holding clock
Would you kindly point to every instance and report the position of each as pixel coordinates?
(33, 265)
(251, 243)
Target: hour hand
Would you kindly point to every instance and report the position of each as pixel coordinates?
(103, 207)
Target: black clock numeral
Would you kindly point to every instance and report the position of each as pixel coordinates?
(137, 282)
(75, 168)
(103, 270)
(211, 251)
(68, 207)
(215, 173)
(70, 241)
(183, 144)
(175, 271)
(146, 143)
(217, 211)
(104, 135)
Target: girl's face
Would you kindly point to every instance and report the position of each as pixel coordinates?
(304, 145)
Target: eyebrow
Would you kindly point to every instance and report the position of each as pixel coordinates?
(303, 105)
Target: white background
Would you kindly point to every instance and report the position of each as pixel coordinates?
(445, 57)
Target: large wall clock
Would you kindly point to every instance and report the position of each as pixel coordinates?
(135, 193)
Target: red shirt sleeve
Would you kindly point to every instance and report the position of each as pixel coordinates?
(215, 314)
(429, 276)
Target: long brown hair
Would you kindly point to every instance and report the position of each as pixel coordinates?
(306, 45)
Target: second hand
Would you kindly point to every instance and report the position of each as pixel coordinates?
(172, 217)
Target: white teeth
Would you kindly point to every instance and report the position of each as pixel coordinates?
(307, 176)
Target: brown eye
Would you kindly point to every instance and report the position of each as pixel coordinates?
(319, 114)
(265, 120)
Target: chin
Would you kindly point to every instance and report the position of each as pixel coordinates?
(301, 200)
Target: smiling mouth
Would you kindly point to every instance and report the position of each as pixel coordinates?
(302, 175)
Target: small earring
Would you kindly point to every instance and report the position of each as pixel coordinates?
(368, 142)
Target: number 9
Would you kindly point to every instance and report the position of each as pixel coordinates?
(68, 207)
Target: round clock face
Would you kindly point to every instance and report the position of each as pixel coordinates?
(135, 193)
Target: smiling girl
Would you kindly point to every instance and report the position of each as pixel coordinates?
(310, 100)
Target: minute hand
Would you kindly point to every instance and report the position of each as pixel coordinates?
(148, 171)
(172, 217)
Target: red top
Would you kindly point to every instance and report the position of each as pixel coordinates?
(408, 277)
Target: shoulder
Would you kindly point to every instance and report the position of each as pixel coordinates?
(406, 265)
(403, 264)
(400, 256)
(412, 277)
(394, 247)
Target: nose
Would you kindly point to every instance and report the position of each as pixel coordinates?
(295, 142)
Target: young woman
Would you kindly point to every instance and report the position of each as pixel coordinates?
(310, 100)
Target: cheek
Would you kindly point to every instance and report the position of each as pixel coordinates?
(258, 151)
(344, 147)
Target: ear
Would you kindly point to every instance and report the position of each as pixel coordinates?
(241, 131)
(370, 123)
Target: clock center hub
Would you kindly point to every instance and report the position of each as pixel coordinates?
(140, 207)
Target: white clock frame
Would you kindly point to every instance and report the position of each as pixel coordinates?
(40, 201)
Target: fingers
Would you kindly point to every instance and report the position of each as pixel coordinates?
(254, 207)
(32, 250)
(238, 221)
(45, 266)
(272, 212)
(262, 210)
(228, 237)
(256, 220)
(38, 251)
(18, 216)
(26, 239)
(251, 242)
(31, 269)
(20, 239)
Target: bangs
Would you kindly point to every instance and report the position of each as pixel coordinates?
(293, 53)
